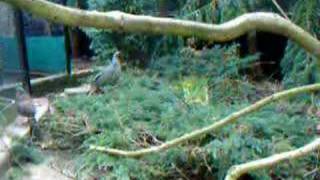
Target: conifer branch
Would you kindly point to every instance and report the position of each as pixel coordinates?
(236, 171)
(232, 118)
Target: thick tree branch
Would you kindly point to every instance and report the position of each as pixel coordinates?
(119, 21)
(236, 171)
(215, 126)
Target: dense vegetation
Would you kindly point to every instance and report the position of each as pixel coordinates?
(185, 84)
(297, 66)
(149, 107)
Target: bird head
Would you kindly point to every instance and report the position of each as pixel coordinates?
(117, 58)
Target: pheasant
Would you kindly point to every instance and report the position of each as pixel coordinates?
(26, 108)
(110, 74)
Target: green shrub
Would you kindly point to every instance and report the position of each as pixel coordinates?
(298, 66)
(145, 110)
(219, 66)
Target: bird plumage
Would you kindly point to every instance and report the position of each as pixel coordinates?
(26, 108)
(25, 104)
(110, 74)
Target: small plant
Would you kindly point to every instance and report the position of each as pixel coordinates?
(21, 154)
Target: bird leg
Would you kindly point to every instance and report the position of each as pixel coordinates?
(34, 128)
(94, 90)
(30, 129)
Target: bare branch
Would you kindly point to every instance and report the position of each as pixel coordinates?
(232, 118)
(280, 9)
(236, 171)
(119, 21)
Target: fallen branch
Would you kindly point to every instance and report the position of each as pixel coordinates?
(119, 21)
(215, 126)
(236, 171)
(52, 78)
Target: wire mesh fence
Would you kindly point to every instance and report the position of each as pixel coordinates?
(10, 68)
(11, 71)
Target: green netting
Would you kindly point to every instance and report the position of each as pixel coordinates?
(9, 54)
(46, 54)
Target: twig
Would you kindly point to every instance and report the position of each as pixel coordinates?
(206, 163)
(236, 171)
(280, 9)
(180, 172)
(232, 118)
(62, 172)
(3, 109)
(311, 172)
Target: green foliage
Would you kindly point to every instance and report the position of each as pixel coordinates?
(183, 90)
(298, 66)
(144, 110)
(220, 66)
(221, 11)
(21, 154)
(140, 48)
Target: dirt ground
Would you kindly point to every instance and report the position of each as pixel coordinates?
(57, 165)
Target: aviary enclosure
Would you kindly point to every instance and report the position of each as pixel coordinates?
(159, 89)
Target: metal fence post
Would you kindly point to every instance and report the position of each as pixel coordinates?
(22, 49)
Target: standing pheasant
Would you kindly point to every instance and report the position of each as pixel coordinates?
(110, 74)
(25, 104)
(26, 108)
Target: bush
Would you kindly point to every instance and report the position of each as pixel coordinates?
(219, 68)
(144, 110)
(298, 66)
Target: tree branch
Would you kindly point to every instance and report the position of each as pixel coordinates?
(236, 171)
(280, 9)
(119, 21)
(215, 126)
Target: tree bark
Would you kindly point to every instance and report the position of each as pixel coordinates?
(119, 21)
(236, 171)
